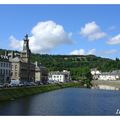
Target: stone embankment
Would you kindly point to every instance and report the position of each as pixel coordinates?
(106, 85)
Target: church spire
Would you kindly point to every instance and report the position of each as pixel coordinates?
(26, 43)
(25, 54)
(26, 37)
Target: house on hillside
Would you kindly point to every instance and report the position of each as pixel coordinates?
(113, 75)
(95, 73)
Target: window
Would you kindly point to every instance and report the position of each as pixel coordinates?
(4, 64)
(6, 72)
(1, 64)
(16, 74)
(3, 71)
(0, 71)
(15, 67)
(10, 73)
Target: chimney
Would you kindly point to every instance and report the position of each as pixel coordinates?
(12, 54)
(6, 54)
(36, 63)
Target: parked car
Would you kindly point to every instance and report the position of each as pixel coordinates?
(13, 85)
(6, 85)
(27, 84)
(38, 83)
(33, 84)
(1, 86)
(20, 85)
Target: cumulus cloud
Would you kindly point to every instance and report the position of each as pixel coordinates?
(78, 52)
(93, 52)
(14, 43)
(45, 36)
(114, 40)
(83, 52)
(92, 31)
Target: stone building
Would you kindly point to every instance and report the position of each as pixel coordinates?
(22, 68)
(41, 73)
(5, 70)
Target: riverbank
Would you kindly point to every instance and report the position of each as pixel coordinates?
(14, 93)
(106, 85)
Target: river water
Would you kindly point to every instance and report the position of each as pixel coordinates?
(68, 101)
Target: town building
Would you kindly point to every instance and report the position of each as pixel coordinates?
(22, 68)
(113, 75)
(57, 76)
(41, 73)
(95, 73)
(5, 70)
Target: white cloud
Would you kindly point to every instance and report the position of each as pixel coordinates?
(92, 31)
(78, 52)
(114, 40)
(14, 43)
(45, 36)
(93, 52)
(83, 52)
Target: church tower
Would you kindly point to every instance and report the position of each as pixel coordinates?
(25, 54)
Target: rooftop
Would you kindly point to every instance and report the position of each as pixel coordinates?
(59, 72)
(4, 59)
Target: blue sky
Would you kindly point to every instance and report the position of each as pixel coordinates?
(62, 29)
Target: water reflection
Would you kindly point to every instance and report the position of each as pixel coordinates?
(70, 101)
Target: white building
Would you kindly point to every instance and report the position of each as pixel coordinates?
(114, 75)
(58, 76)
(97, 75)
(5, 70)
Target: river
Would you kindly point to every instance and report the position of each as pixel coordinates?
(68, 101)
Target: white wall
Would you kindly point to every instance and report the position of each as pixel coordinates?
(57, 78)
(108, 77)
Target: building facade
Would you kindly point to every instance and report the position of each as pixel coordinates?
(58, 76)
(113, 75)
(95, 73)
(22, 68)
(5, 70)
(41, 73)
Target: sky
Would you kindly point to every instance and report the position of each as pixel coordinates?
(62, 29)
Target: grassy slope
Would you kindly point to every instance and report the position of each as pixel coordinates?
(13, 93)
